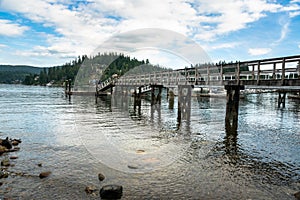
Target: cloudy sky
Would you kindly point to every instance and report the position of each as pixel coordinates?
(52, 32)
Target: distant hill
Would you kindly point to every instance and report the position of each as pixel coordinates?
(16, 73)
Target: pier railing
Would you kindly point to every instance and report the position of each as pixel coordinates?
(283, 71)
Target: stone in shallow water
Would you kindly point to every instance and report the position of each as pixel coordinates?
(13, 157)
(44, 174)
(101, 177)
(3, 149)
(7, 143)
(297, 195)
(90, 189)
(111, 192)
(5, 162)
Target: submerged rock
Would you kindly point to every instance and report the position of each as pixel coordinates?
(6, 143)
(101, 177)
(3, 149)
(297, 195)
(5, 162)
(44, 174)
(3, 174)
(15, 142)
(90, 189)
(111, 192)
(13, 157)
(132, 166)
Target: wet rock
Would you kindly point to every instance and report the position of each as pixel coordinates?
(132, 167)
(90, 189)
(44, 174)
(16, 142)
(140, 151)
(297, 195)
(101, 177)
(13, 157)
(3, 149)
(7, 143)
(5, 162)
(3, 174)
(111, 192)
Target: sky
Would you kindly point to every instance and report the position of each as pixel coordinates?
(47, 33)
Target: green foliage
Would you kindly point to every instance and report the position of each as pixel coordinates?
(16, 73)
(85, 69)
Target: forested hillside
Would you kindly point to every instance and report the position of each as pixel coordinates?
(16, 73)
(98, 67)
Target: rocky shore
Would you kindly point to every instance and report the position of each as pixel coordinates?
(9, 160)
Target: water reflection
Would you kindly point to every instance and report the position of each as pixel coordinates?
(239, 143)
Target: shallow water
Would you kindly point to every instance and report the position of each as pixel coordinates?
(146, 149)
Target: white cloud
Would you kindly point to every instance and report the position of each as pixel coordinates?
(80, 29)
(231, 15)
(224, 45)
(284, 32)
(294, 14)
(3, 45)
(295, 1)
(259, 51)
(9, 28)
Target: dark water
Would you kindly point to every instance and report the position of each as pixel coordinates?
(146, 149)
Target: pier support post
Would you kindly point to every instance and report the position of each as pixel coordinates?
(184, 101)
(232, 107)
(137, 96)
(70, 81)
(171, 100)
(66, 87)
(281, 99)
(156, 98)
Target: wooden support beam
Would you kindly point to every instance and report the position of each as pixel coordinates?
(283, 71)
(281, 99)
(208, 75)
(298, 67)
(258, 72)
(237, 75)
(253, 74)
(221, 73)
(274, 70)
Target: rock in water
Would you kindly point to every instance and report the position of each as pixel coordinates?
(101, 177)
(5, 162)
(7, 143)
(44, 174)
(111, 192)
(297, 195)
(2, 149)
(90, 189)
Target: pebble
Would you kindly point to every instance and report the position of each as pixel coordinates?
(13, 157)
(111, 192)
(90, 189)
(297, 195)
(101, 177)
(5, 162)
(132, 167)
(44, 174)
(2, 149)
(140, 151)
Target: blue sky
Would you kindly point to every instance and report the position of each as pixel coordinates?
(51, 32)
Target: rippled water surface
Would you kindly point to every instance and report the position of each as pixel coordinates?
(147, 149)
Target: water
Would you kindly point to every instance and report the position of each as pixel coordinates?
(146, 150)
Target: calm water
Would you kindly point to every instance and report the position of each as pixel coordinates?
(146, 149)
